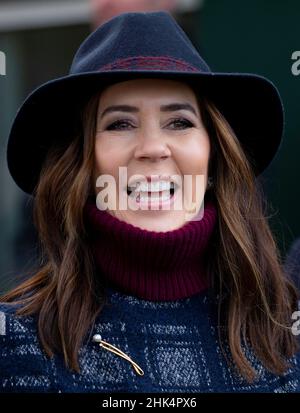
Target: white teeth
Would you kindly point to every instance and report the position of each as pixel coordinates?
(164, 197)
(154, 186)
(144, 197)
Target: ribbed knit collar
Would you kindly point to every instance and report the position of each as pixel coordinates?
(158, 266)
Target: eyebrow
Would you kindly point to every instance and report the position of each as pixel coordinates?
(171, 107)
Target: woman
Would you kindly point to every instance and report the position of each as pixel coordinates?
(149, 298)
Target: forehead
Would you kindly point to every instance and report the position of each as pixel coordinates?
(151, 89)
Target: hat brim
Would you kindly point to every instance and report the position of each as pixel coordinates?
(250, 103)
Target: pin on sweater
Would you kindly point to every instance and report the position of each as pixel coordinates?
(98, 339)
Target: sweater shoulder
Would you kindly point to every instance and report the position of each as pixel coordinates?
(18, 333)
(23, 364)
(7, 316)
(12, 324)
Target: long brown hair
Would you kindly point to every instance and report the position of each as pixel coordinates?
(256, 298)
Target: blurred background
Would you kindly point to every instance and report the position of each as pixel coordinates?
(39, 39)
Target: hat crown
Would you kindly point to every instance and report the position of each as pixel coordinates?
(138, 41)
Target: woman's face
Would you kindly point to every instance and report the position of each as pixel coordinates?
(151, 135)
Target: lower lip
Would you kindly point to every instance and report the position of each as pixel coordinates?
(154, 204)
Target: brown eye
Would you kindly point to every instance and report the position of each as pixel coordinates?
(182, 123)
(119, 125)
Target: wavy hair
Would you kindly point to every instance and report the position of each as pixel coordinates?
(256, 297)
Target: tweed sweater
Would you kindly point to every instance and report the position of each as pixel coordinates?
(292, 262)
(174, 342)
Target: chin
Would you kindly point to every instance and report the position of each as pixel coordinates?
(148, 221)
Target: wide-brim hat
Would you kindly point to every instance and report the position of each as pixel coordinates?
(129, 46)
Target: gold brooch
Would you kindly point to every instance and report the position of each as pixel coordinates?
(98, 339)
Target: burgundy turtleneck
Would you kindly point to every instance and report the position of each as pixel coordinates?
(158, 266)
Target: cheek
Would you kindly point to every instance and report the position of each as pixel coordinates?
(108, 157)
(194, 157)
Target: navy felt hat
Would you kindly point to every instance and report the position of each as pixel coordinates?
(131, 45)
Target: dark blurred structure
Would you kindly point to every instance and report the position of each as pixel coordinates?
(40, 37)
(103, 10)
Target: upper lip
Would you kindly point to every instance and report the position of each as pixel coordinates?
(132, 183)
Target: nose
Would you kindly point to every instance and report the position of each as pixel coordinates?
(151, 146)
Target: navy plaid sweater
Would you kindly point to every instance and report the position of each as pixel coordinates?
(174, 342)
(292, 263)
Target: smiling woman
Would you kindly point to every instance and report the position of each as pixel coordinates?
(143, 300)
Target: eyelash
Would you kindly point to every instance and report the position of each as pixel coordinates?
(124, 121)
